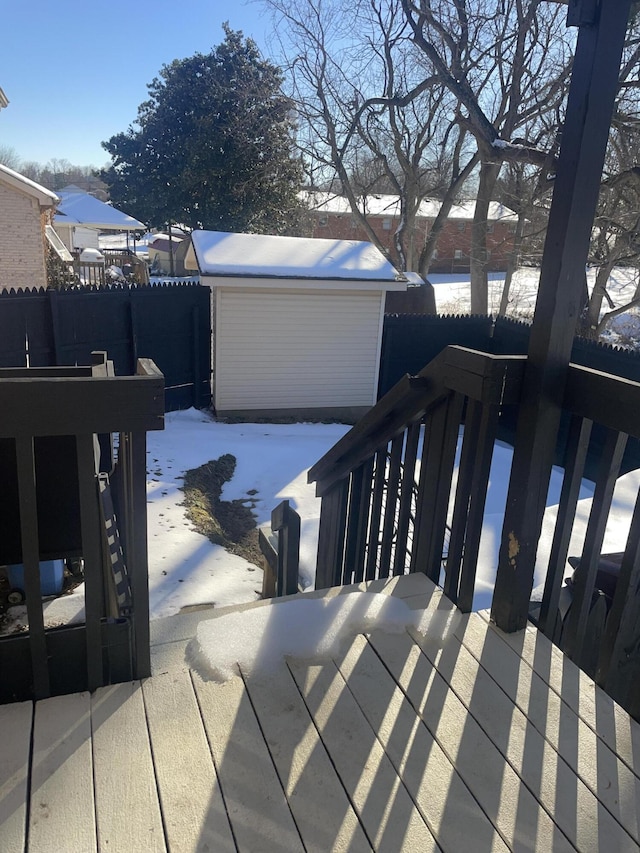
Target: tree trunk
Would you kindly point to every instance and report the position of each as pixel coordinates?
(489, 172)
(590, 324)
(513, 264)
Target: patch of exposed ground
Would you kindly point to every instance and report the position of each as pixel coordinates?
(231, 524)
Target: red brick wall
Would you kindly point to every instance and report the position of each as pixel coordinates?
(456, 235)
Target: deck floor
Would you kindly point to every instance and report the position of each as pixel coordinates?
(461, 740)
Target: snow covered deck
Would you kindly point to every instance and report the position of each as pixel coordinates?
(459, 739)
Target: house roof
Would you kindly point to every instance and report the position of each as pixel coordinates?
(389, 205)
(45, 197)
(80, 208)
(265, 256)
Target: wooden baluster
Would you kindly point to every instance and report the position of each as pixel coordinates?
(435, 486)
(406, 497)
(90, 525)
(577, 447)
(373, 541)
(358, 521)
(574, 634)
(618, 670)
(463, 496)
(331, 535)
(26, 469)
(477, 499)
(392, 493)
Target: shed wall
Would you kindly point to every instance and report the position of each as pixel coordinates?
(21, 241)
(288, 349)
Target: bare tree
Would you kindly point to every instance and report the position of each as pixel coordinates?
(9, 157)
(368, 115)
(507, 63)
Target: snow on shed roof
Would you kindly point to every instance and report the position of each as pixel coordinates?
(261, 255)
(389, 205)
(79, 208)
(13, 179)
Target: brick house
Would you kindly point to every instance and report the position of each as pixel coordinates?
(332, 218)
(26, 209)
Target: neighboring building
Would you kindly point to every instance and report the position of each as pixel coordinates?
(297, 322)
(80, 218)
(332, 218)
(26, 209)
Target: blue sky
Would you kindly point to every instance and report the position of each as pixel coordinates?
(74, 72)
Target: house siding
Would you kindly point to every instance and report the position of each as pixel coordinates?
(289, 349)
(22, 244)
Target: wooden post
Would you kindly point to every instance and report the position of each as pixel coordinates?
(590, 104)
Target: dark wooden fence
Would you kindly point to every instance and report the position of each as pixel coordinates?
(171, 324)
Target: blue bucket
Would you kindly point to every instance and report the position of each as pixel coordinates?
(51, 576)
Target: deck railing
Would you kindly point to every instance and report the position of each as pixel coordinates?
(391, 503)
(56, 424)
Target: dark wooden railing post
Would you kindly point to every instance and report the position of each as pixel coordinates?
(137, 554)
(594, 84)
(26, 467)
(331, 535)
(90, 525)
(285, 521)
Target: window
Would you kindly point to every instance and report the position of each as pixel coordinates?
(458, 255)
(461, 226)
(354, 222)
(323, 220)
(490, 227)
(386, 223)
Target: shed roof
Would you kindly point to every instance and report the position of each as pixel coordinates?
(80, 208)
(218, 253)
(45, 197)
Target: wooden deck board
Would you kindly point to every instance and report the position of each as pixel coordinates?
(62, 814)
(15, 725)
(608, 778)
(458, 739)
(127, 808)
(256, 804)
(574, 808)
(195, 818)
(388, 814)
(449, 808)
(510, 805)
(325, 822)
(598, 710)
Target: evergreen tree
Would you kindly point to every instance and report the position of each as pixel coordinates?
(213, 146)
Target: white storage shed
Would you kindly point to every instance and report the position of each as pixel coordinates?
(297, 322)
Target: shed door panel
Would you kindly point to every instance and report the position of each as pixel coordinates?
(287, 349)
